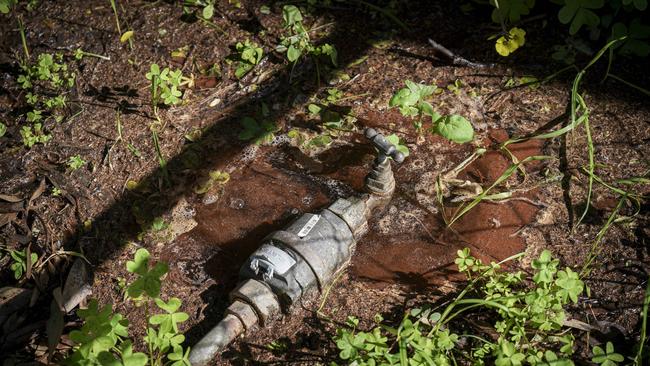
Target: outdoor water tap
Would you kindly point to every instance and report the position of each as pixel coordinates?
(303, 257)
(380, 181)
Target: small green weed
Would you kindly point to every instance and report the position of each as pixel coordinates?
(19, 265)
(412, 102)
(298, 43)
(7, 5)
(33, 135)
(3, 129)
(248, 55)
(165, 86)
(206, 6)
(45, 84)
(259, 132)
(104, 337)
(258, 128)
(79, 54)
(333, 120)
(75, 162)
(520, 305)
(124, 37)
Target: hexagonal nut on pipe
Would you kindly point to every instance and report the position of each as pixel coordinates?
(244, 312)
(260, 296)
(383, 186)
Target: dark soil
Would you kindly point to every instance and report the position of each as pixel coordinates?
(407, 256)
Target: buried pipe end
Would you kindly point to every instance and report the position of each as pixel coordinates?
(253, 302)
(216, 340)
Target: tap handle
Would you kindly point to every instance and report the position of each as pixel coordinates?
(386, 149)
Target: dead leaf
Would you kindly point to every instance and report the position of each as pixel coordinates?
(10, 198)
(54, 326)
(7, 218)
(38, 192)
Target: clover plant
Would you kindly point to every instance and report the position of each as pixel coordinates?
(45, 83)
(607, 356)
(164, 86)
(517, 306)
(298, 42)
(259, 132)
(257, 128)
(599, 17)
(19, 265)
(34, 134)
(76, 162)
(104, 336)
(248, 55)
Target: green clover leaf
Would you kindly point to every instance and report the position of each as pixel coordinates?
(579, 13)
(180, 358)
(606, 357)
(170, 320)
(148, 281)
(154, 70)
(545, 266)
(511, 10)
(638, 4)
(570, 284)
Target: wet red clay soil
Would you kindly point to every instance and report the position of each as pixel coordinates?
(426, 256)
(258, 200)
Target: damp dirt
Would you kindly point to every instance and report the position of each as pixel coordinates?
(422, 252)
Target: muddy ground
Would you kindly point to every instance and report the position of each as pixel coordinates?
(107, 207)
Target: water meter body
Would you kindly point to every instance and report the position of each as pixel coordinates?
(307, 253)
(303, 257)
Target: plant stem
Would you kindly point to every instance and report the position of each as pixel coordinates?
(117, 19)
(118, 124)
(21, 28)
(633, 86)
(590, 153)
(644, 322)
(592, 252)
(96, 55)
(578, 102)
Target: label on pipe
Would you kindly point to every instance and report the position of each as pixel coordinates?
(308, 226)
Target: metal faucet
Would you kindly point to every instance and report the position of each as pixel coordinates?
(302, 258)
